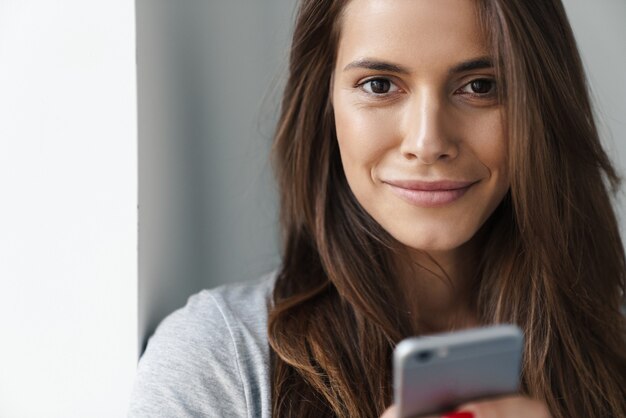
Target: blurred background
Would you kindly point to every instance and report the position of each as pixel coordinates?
(134, 142)
(210, 76)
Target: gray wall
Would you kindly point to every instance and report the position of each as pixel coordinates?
(209, 80)
(600, 29)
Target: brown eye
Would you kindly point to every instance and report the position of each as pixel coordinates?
(379, 86)
(483, 89)
(481, 86)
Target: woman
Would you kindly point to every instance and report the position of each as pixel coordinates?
(439, 169)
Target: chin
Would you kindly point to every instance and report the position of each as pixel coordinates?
(437, 242)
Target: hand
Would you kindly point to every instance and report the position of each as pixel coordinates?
(509, 407)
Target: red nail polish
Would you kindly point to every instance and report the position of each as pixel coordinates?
(458, 415)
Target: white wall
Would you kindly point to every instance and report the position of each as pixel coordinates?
(68, 270)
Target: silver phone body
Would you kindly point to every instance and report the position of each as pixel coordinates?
(435, 374)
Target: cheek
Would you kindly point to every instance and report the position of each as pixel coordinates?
(364, 136)
(493, 154)
(489, 143)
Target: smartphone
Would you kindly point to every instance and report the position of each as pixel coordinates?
(437, 373)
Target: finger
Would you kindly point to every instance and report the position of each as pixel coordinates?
(509, 407)
(392, 412)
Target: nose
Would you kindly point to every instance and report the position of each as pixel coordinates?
(426, 138)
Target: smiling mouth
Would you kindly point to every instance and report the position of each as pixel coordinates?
(430, 198)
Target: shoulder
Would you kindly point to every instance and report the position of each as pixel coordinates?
(209, 358)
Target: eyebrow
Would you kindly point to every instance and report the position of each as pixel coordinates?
(377, 65)
(473, 64)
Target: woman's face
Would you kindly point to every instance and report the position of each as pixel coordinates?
(415, 103)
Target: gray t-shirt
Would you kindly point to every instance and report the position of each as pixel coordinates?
(210, 358)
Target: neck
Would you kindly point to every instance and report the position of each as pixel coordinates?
(437, 288)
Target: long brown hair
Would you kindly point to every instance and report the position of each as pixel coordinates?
(552, 260)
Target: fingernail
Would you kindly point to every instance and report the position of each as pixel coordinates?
(458, 415)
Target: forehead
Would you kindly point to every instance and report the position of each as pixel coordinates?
(411, 32)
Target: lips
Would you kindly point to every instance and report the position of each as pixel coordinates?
(429, 194)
